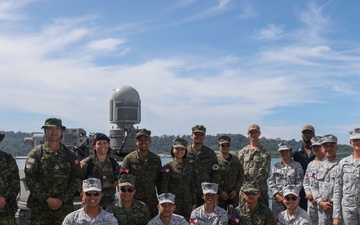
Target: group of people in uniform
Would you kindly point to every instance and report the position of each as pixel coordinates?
(309, 186)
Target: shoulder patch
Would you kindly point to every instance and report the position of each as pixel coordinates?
(31, 160)
(215, 167)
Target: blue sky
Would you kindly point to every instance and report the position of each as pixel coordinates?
(222, 63)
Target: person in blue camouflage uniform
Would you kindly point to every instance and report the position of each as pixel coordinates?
(203, 161)
(102, 168)
(53, 178)
(127, 210)
(231, 175)
(310, 176)
(177, 177)
(347, 185)
(284, 173)
(167, 216)
(9, 187)
(251, 212)
(145, 166)
(255, 160)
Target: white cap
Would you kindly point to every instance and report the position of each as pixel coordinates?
(209, 188)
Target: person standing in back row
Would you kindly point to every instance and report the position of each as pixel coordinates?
(203, 161)
(255, 161)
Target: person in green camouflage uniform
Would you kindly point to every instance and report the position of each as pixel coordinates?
(102, 168)
(53, 178)
(252, 212)
(9, 187)
(231, 175)
(127, 210)
(145, 166)
(177, 177)
(203, 161)
(255, 160)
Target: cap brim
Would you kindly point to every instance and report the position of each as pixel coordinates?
(224, 142)
(126, 184)
(45, 126)
(166, 201)
(209, 192)
(198, 131)
(179, 146)
(317, 144)
(283, 149)
(92, 189)
(291, 193)
(251, 189)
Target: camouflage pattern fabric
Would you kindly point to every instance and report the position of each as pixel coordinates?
(205, 165)
(256, 166)
(300, 217)
(201, 217)
(53, 177)
(231, 179)
(9, 187)
(178, 179)
(138, 214)
(175, 220)
(261, 215)
(347, 190)
(147, 173)
(80, 217)
(105, 172)
(281, 177)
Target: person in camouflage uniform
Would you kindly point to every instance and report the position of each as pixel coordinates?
(251, 212)
(347, 189)
(9, 187)
(127, 210)
(177, 177)
(145, 166)
(255, 161)
(52, 177)
(203, 161)
(103, 167)
(231, 175)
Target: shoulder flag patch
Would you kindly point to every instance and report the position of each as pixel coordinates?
(124, 170)
(164, 170)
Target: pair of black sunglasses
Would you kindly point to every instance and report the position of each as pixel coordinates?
(251, 192)
(225, 145)
(92, 193)
(127, 190)
(288, 198)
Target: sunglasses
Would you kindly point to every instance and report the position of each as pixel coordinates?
(225, 145)
(92, 193)
(210, 195)
(251, 192)
(127, 190)
(288, 198)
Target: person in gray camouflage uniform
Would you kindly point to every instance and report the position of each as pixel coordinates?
(9, 187)
(102, 168)
(177, 177)
(209, 213)
(252, 212)
(145, 166)
(53, 178)
(323, 189)
(167, 216)
(284, 173)
(203, 161)
(293, 214)
(127, 210)
(347, 185)
(255, 160)
(310, 176)
(231, 175)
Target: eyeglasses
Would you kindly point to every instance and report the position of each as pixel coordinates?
(92, 193)
(225, 145)
(210, 195)
(127, 190)
(288, 198)
(251, 192)
(199, 134)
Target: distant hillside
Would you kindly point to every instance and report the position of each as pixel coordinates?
(14, 143)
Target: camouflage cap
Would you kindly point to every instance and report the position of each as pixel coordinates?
(127, 180)
(198, 129)
(209, 188)
(2, 136)
(284, 145)
(91, 184)
(355, 134)
(253, 127)
(316, 141)
(143, 132)
(179, 143)
(166, 198)
(53, 122)
(290, 189)
(224, 140)
(329, 138)
(308, 127)
(100, 136)
(250, 186)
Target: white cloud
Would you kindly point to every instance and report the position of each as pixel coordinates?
(107, 44)
(271, 32)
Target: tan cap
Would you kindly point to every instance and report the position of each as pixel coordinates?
(308, 127)
(254, 127)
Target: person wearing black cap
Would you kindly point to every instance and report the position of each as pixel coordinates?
(52, 176)
(102, 166)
